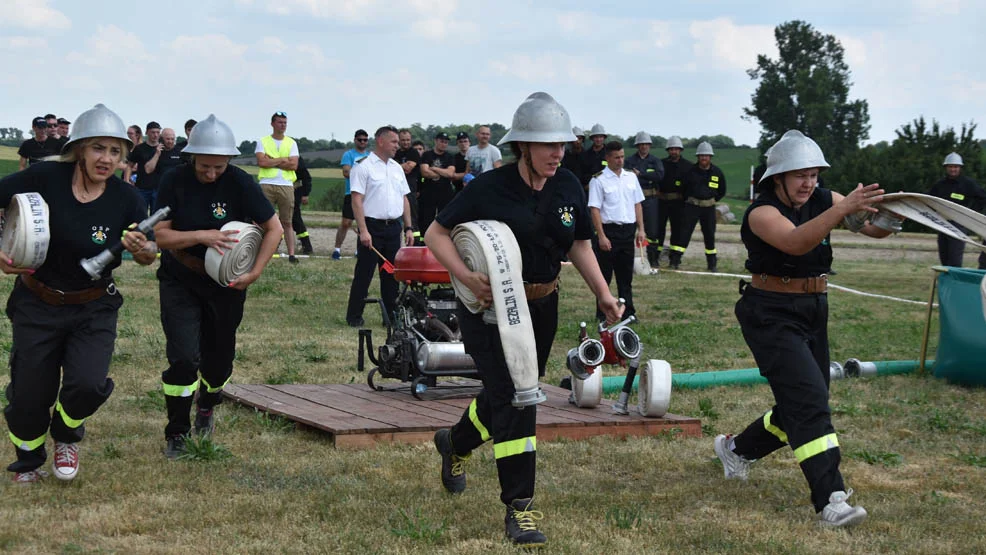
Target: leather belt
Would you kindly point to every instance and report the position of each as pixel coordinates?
(381, 221)
(652, 193)
(704, 203)
(535, 291)
(193, 263)
(669, 196)
(777, 284)
(57, 297)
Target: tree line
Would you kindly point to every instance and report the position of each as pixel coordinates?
(807, 88)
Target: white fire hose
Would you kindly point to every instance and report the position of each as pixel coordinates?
(236, 261)
(26, 234)
(489, 247)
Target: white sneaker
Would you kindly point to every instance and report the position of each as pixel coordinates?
(838, 513)
(733, 465)
(66, 463)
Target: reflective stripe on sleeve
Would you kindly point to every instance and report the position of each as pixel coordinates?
(180, 390)
(515, 447)
(210, 389)
(68, 420)
(27, 445)
(484, 434)
(816, 446)
(779, 433)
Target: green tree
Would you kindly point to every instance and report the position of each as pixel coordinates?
(247, 147)
(807, 88)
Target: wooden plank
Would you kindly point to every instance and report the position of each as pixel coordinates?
(342, 400)
(274, 400)
(358, 417)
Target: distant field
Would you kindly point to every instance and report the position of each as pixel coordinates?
(317, 172)
(8, 153)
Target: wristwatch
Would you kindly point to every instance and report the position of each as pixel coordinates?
(406, 229)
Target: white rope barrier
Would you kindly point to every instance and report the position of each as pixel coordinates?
(830, 284)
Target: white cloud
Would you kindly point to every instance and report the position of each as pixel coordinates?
(112, 50)
(940, 7)
(731, 46)
(22, 43)
(550, 68)
(33, 14)
(655, 35)
(209, 60)
(272, 45)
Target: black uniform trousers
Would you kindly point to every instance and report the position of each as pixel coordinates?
(430, 202)
(668, 211)
(789, 339)
(951, 251)
(199, 318)
(491, 414)
(619, 261)
(692, 215)
(651, 211)
(297, 223)
(68, 346)
(386, 236)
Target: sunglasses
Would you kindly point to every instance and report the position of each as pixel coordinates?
(281, 114)
(52, 125)
(362, 139)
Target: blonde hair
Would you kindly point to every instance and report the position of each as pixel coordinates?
(74, 152)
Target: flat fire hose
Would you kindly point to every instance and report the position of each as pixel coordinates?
(489, 247)
(26, 234)
(237, 261)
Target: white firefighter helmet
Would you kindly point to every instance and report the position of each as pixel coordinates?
(540, 119)
(794, 151)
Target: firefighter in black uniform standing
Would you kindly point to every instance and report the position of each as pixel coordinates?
(593, 160)
(704, 185)
(64, 323)
(545, 208)
(199, 316)
(959, 189)
(302, 190)
(649, 171)
(672, 199)
(783, 313)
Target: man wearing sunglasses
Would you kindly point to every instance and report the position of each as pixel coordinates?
(37, 147)
(277, 157)
(361, 140)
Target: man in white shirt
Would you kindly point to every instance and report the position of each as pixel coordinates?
(277, 157)
(615, 201)
(483, 157)
(382, 212)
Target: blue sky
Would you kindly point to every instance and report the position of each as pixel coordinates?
(337, 65)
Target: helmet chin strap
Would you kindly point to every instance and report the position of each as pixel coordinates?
(525, 150)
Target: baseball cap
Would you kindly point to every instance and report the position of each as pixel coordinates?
(461, 135)
(39, 122)
(63, 120)
(152, 125)
(441, 135)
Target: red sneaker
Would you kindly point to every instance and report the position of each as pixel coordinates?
(30, 476)
(66, 464)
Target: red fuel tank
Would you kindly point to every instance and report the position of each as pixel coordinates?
(417, 264)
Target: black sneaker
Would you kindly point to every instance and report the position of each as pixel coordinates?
(175, 447)
(453, 473)
(292, 259)
(205, 422)
(521, 526)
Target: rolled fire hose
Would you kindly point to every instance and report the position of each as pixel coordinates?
(489, 247)
(237, 261)
(26, 234)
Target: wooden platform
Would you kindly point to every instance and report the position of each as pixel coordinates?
(357, 417)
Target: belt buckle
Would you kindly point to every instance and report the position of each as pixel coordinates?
(111, 288)
(60, 295)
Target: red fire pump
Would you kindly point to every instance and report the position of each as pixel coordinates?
(423, 337)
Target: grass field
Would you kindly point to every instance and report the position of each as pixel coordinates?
(913, 446)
